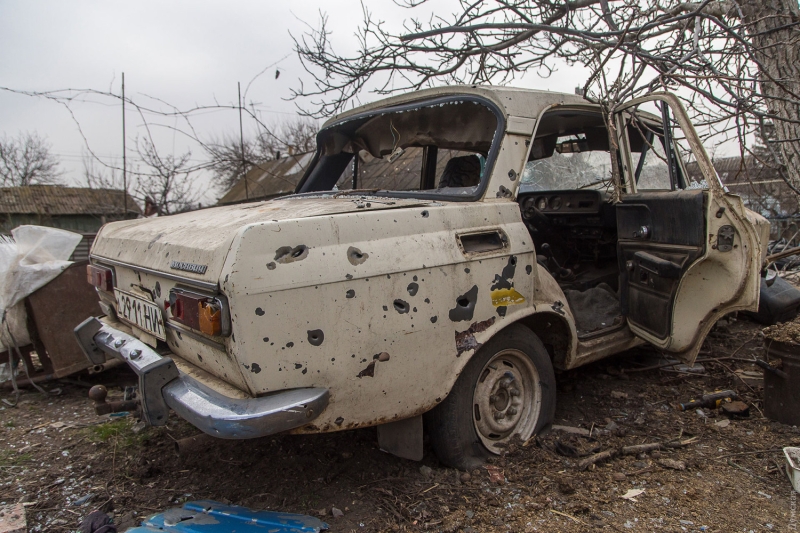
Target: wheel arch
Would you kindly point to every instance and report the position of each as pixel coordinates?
(453, 426)
(556, 333)
(555, 330)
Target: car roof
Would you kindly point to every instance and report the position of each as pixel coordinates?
(526, 103)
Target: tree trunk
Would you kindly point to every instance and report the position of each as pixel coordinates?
(774, 26)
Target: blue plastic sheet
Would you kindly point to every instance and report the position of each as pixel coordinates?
(207, 516)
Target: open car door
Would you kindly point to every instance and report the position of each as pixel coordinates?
(689, 251)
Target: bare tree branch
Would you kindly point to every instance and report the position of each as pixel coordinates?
(732, 61)
(27, 160)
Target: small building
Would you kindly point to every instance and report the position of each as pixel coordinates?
(762, 190)
(77, 209)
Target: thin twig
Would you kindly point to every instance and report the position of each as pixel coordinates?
(570, 517)
(746, 471)
(677, 363)
(754, 452)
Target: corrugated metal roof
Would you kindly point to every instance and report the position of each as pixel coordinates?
(58, 200)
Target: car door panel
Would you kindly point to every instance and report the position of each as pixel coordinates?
(671, 217)
(660, 236)
(676, 279)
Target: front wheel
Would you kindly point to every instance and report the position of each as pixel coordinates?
(508, 388)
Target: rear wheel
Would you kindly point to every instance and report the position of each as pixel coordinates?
(506, 389)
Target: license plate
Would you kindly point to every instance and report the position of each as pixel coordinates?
(140, 313)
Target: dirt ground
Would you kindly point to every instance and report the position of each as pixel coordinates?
(722, 475)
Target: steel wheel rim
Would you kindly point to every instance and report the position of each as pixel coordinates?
(506, 400)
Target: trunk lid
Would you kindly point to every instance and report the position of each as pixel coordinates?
(195, 244)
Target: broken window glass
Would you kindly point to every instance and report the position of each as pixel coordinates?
(443, 148)
(569, 151)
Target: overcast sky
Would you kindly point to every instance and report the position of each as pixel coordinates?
(185, 53)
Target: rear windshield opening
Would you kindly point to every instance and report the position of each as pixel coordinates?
(441, 148)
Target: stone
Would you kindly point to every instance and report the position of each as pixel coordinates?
(672, 464)
(12, 519)
(735, 408)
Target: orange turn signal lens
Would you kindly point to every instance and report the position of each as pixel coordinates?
(210, 318)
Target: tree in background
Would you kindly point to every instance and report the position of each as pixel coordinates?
(27, 160)
(97, 177)
(228, 164)
(765, 193)
(736, 64)
(167, 183)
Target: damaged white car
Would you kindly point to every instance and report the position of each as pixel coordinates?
(379, 299)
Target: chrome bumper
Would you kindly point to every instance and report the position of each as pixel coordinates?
(163, 387)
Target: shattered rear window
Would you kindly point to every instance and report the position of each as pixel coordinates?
(443, 148)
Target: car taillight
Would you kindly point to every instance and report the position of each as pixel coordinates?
(210, 318)
(198, 312)
(100, 277)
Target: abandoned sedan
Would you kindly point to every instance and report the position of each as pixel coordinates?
(444, 251)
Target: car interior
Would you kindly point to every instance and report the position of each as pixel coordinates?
(565, 202)
(586, 241)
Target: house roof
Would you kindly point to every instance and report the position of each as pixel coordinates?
(735, 171)
(57, 200)
(269, 179)
(280, 177)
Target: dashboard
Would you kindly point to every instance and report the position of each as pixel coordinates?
(568, 214)
(579, 227)
(561, 202)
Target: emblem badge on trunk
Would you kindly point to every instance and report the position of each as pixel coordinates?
(188, 267)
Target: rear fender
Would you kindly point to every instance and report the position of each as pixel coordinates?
(549, 317)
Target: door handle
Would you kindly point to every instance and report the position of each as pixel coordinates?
(482, 242)
(658, 266)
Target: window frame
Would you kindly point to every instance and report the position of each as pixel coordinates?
(680, 116)
(431, 194)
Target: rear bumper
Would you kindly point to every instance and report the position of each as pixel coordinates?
(163, 387)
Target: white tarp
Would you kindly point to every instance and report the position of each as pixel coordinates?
(29, 260)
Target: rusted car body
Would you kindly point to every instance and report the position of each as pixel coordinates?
(339, 308)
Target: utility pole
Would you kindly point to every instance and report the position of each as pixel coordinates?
(124, 157)
(241, 143)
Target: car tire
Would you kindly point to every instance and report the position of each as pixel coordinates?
(508, 388)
